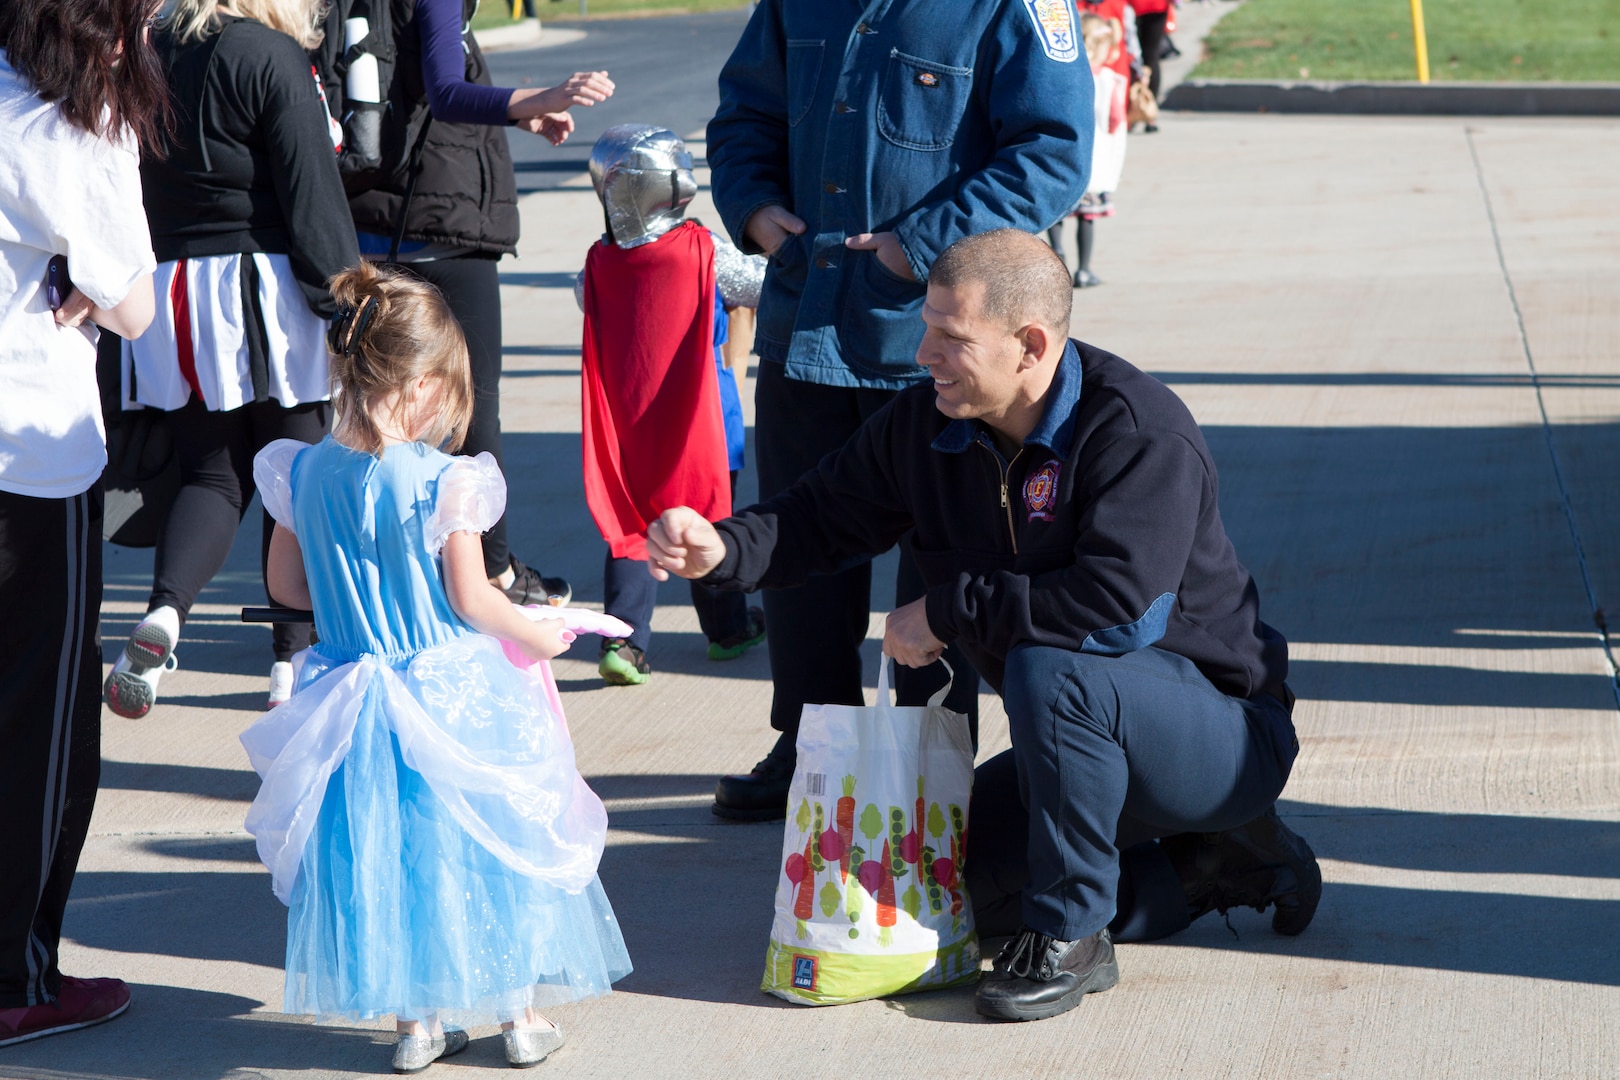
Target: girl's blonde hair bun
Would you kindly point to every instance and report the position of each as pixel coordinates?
(391, 329)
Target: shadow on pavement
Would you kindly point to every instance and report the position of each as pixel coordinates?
(1460, 843)
(1417, 536)
(215, 783)
(1379, 378)
(1426, 684)
(210, 1037)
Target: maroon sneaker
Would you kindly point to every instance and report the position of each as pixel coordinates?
(81, 1003)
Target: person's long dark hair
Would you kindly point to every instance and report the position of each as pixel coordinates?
(93, 59)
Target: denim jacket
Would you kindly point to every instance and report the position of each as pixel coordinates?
(933, 119)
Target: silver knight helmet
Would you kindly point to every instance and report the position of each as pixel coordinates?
(643, 175)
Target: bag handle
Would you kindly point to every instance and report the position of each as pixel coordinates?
(885, 698)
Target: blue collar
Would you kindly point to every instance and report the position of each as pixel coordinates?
(1056, 429)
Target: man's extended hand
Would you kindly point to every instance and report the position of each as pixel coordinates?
(889, 252)
(770, 226)
(683, 542)
(908, 638)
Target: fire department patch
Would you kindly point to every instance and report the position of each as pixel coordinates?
(1055, 26)
(1040, 491)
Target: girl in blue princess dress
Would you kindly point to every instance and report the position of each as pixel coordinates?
(420, 811)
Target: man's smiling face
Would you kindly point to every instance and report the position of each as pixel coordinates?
(973, 358)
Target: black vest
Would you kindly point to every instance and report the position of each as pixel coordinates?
(466, 193)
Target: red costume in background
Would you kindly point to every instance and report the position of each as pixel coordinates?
(653, 433)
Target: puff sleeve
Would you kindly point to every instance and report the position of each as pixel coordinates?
(272, 475)
(471, 497)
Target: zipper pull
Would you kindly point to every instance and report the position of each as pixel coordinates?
(1004, 493)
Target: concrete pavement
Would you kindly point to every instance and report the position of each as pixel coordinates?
(1326, 294)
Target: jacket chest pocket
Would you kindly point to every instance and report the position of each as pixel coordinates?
(803, 76)
(922, 102)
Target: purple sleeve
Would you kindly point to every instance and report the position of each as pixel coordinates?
(444, 69)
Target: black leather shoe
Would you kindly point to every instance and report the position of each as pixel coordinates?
(759, 795)
(1262, 864)
(1037, 976)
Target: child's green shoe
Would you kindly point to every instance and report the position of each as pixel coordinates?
(622, 664)
(732, 647)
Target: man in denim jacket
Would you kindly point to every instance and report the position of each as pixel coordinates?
(854, 143)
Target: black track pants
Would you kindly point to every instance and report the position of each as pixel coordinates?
(50, 725)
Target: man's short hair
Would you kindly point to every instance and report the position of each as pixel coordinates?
(1024, 280)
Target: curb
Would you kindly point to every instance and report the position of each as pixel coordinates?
(1398, 98)
(526, 32)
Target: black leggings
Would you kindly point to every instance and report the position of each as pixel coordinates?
(1150, 32)
(472, 288)
(216, 452)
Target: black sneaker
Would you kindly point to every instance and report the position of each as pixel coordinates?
(761, 794)
(1262, 864)
(528, 587)
(1037, 976)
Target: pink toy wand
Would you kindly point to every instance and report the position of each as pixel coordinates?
(576, 621)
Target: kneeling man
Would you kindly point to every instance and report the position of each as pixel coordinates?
(1062, 508)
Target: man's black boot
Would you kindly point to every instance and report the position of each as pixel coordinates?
(759, 795)
(1259, 865)
(1037, 976)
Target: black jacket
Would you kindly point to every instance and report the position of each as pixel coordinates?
(250, 166)
(1102, 534)
(466, 193)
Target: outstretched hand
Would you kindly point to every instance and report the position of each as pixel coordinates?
(684, 543)
(580, 88)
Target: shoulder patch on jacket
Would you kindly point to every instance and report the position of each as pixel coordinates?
(1055, 26)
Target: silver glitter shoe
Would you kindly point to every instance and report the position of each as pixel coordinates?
(528, 1047)
(413, 1053)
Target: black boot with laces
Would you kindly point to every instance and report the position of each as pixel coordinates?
(1037, 976)
(1263, 864)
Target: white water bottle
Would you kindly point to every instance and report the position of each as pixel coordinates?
(361, 84)
(362, 92)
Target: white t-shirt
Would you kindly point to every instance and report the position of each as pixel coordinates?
(66, 192)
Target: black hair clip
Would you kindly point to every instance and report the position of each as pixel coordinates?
(349, 326)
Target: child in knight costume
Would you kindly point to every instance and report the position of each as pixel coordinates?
(662, 419)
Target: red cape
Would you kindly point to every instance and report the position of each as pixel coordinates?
(653, 434)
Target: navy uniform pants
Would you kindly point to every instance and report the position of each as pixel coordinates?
(1108, 754)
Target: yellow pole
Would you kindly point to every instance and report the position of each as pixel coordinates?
(517, 9)
(1420, 41)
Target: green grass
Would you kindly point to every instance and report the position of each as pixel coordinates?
(492, 13)
(498, 12)
(1469, 40)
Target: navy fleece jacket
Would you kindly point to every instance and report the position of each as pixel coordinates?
(1101, 534)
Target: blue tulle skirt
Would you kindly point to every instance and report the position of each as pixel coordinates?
(395, 907)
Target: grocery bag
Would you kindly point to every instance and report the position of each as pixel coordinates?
(869, 895)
